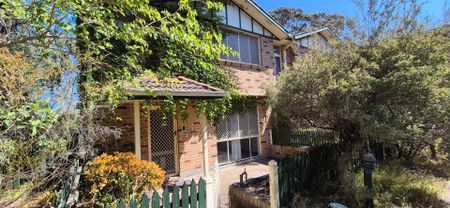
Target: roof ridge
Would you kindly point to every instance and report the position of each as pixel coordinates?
(199, 83)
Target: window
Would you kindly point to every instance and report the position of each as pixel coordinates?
(238, 136)
(247, 48)
(277, 56)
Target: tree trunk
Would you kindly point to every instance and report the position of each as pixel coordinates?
(344, 165)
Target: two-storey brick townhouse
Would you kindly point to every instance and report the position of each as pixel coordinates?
(191, 146)
(265, 48)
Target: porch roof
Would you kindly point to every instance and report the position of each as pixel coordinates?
(177, 87)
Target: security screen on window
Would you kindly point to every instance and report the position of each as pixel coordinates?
(247, 48)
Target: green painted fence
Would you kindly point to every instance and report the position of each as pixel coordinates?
(188, 196)
(288, 137)
(307, 172)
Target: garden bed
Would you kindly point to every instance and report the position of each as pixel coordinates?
(252, 194)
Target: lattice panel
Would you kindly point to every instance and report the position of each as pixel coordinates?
(251, 115)
(247, 47)
(254, 48)
(239, 124)
(244, 48)
(222, 131)
(162, 141)
(233, 42)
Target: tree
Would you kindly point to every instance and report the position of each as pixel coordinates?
(296, 21)
(97, 45)
(396, 91)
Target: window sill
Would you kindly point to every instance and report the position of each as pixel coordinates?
(241, 64)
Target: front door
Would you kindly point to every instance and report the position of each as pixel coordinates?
(163, 142)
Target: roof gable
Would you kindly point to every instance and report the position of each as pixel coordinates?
(324, 31)
(248, 16)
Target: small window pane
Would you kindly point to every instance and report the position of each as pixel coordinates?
(222, 152)
(222, 131)
(245, 50)
(254, 48)
(233, 14)
(254, 144)
(245, 148)
(233, 43)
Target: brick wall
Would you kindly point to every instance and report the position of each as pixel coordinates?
(267, 56)
(253, 79)
(190, 146)
(264, 128)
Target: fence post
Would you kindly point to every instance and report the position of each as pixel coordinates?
(217, 170)
(210, 192)
(273, 184)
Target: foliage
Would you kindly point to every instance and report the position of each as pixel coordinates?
(296, 21)
(396, 185)
(62, 59)
(396, 91)
(121, 175)
(113, 46)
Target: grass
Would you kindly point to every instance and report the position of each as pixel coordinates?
(396, 184)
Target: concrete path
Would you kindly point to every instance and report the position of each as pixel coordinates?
(445, 196)
(230, 175)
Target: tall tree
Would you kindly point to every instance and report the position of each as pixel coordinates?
(100, 45)
(394, 88)
(297, 21)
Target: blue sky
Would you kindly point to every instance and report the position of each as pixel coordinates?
(432, 8)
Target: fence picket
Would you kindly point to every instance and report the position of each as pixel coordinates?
(193, 194)
(155, 200)
(176, 197)
(166, 198)
(122, 204)
(145, 201)
(201, 193)
(185, 196)
(133, 203)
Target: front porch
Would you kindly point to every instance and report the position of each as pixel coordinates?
(182, 145)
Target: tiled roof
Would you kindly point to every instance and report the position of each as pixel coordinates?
(177, 87)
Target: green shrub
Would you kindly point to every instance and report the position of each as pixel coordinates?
(121, 176)
(396, 185)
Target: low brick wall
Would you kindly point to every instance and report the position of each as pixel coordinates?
(280, 152)
(254, 194)
(239, 198)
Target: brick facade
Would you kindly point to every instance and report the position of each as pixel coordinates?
(188, 135)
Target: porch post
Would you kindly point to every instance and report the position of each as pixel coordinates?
(205, 147)
(137, 129)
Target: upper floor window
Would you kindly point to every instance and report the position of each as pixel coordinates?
(277, 62)
(247, 48)
(317, 42)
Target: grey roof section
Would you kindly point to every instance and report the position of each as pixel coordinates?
(302, 35)
(176, 87)
(268, 16)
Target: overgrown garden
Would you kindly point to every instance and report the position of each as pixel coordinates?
(387, 82)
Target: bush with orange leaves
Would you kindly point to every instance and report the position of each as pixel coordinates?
(121, 176)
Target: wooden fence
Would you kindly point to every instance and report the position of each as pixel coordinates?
(192, 196)
(287, 137)
(307, 172)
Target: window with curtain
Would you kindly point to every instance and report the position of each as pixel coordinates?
(247, 47)
(238, 136)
